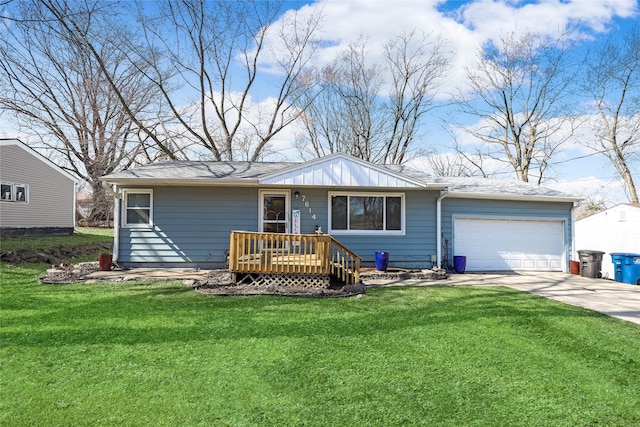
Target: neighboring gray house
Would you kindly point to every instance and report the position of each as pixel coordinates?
(36, 196)
(616, 229)
(181, 213)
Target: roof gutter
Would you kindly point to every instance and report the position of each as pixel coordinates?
(522, 197)
(211, 182)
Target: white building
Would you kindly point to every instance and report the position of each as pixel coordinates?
(614, 230)
(37, 197)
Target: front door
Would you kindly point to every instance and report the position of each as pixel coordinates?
(274, 216)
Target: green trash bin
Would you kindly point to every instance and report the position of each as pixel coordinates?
(626, 267)
(590, 263)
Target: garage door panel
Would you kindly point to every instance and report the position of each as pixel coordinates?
(509, 244)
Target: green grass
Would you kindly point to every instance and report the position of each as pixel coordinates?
(160, 354)
(81, 235)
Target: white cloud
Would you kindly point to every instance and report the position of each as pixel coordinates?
(490, 18)
(611, 191)
(465, 27)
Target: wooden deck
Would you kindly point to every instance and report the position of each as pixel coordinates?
(292, 254)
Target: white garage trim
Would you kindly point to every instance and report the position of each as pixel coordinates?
(510, 243)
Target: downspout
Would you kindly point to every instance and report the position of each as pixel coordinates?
(116, 228)
(443, 193)
(75, 203)
(572, 233)
(116, 219)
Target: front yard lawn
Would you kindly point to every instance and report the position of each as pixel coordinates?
(161, 354)
(81, 235)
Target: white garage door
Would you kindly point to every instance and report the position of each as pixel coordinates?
(509, 244)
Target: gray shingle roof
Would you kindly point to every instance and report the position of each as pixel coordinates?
(476, 186)
(199, 170)
(250, 172)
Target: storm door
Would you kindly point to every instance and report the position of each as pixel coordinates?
(274, 216)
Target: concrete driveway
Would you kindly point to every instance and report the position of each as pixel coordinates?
(604, 296)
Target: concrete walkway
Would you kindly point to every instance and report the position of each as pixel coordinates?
(604, 296)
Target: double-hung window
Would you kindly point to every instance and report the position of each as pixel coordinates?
(6, 190)
(137, 208)
(20, 191)
(366, 213)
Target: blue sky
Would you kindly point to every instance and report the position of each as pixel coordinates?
(465, 25)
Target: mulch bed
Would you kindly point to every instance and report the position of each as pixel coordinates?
(69, 273)
(217, 282)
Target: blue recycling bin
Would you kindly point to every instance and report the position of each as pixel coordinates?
(382, 260)
(459, 264)
(626, 267)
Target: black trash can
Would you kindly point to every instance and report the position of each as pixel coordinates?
(590, 263)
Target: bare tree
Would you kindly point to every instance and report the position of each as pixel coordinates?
(417, 63)
(208, 60)
(348, 112)
(456, 164)
(53, 88)
(517, 93)
(215, 53)
(344, 113)
(613, 81)
(590, 206)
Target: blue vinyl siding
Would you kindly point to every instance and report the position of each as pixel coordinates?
(452, 207)
(317, 201)
(191, 226)
(411, 250)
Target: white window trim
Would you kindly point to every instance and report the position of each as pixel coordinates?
(11, 198)
(14, 195)
(124, 207)
(400, 232)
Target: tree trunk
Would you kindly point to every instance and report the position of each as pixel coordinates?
(101, 204)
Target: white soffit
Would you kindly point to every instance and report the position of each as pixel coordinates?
(339, 170)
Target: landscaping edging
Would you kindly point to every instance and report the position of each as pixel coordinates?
(403, 274)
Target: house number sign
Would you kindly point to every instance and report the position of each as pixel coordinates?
(307, 205)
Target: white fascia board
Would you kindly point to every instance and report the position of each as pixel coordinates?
(164, 182)
(516, 197)
(34, 153)
(276, 178)
(239, 183)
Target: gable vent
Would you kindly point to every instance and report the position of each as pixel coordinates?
(622, 216)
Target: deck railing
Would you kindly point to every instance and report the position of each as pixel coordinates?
(278, 253)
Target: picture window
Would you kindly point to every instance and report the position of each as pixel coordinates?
(367, 213)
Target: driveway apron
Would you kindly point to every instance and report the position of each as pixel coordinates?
(604, 296)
